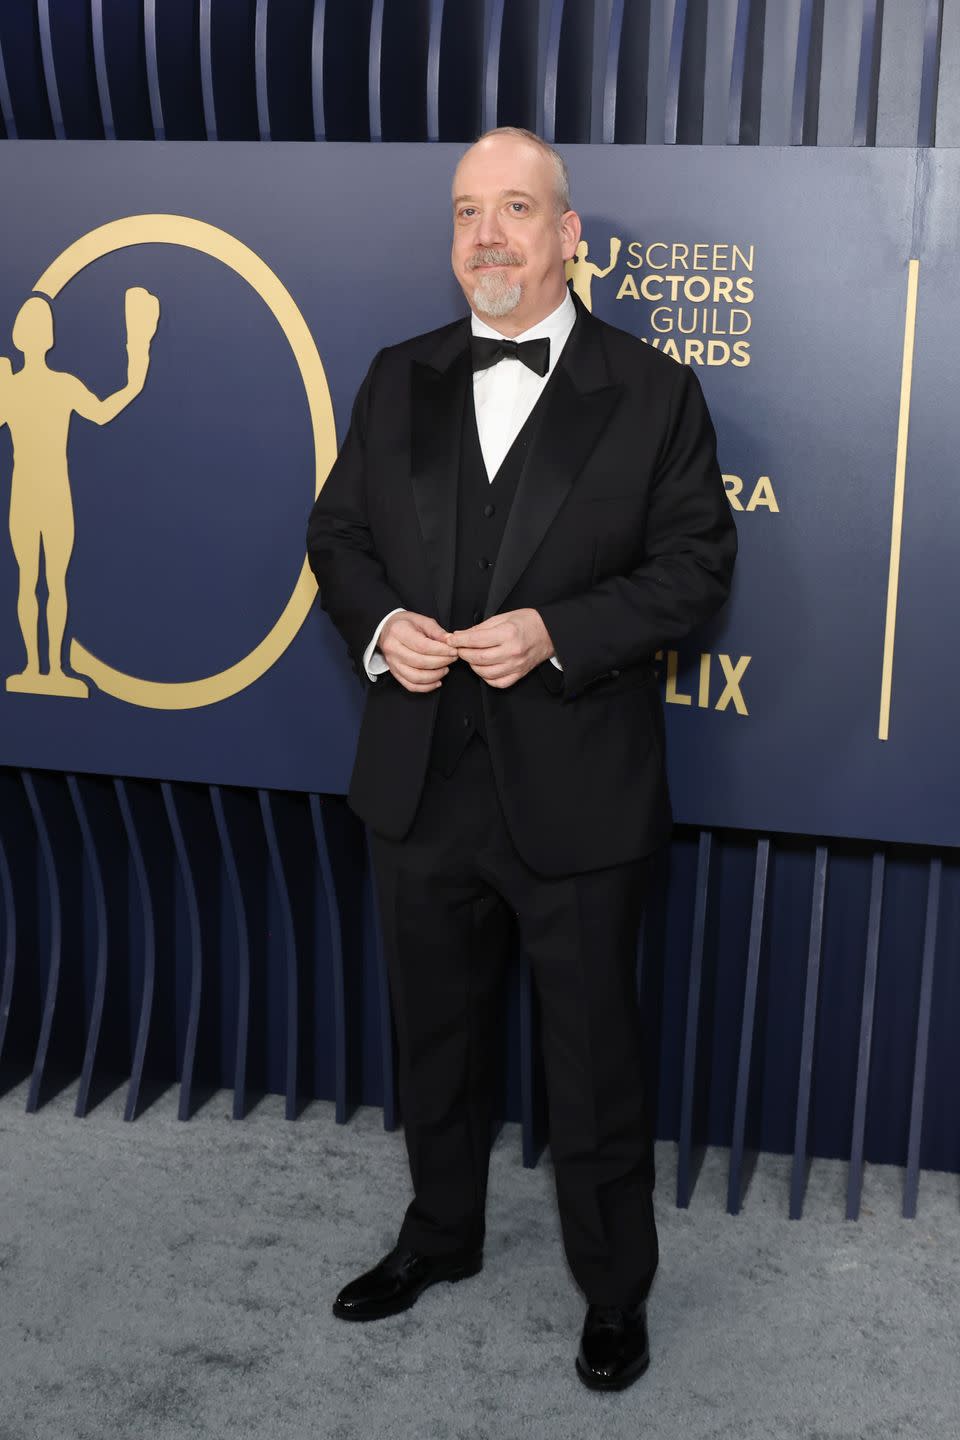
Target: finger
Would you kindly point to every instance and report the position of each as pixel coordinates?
(417, 689)
(496, 655)
(478, 639)
(415, 675)
(416, 660)
(421, 644)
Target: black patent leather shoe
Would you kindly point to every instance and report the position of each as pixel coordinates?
(614, 1349)
(399, 1280)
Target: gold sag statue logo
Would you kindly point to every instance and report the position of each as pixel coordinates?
(37, 404)
(700, 295)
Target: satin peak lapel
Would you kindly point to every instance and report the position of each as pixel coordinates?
(579, 401)
(438, 396)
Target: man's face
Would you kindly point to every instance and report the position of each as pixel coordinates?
(509, 241)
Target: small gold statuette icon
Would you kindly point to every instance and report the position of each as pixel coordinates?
(37, 403)
(583, 272)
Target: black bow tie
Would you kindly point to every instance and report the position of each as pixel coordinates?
(535, 354)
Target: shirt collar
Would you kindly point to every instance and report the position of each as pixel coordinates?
(555, 327)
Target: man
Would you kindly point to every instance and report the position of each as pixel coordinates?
(527, 507)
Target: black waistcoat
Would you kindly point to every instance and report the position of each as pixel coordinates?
(482, 509)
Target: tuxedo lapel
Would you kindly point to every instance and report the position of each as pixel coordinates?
(579, 400)
(438, 397)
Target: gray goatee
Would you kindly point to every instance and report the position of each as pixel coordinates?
(493, 293)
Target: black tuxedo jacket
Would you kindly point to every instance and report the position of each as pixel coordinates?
(621, 536)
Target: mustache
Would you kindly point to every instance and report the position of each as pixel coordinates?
(494, 257)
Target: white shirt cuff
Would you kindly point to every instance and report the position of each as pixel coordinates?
(375, 664)
(555, 661)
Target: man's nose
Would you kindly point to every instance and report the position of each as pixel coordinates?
(490, 232)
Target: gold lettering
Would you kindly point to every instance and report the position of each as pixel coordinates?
(732, 674)
(763, 495)
(703, 697)
(733, 485)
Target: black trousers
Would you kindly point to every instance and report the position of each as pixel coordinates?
(580, 935)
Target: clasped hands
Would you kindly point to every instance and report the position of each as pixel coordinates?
(501, 650)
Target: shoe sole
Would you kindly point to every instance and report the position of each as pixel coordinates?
(594, 1382)
(462, 1272)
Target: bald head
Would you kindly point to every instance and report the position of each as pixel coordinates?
(513, 229)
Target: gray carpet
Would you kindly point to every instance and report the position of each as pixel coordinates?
(160, 1280)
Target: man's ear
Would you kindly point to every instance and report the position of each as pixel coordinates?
(570, 229)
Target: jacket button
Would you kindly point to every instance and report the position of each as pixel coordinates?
(614, 674)
(467, 722)
(483, 563)
(489, 510)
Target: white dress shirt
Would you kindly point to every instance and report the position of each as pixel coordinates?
(503, 397)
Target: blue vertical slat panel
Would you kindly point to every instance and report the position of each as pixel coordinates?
(21, 981)
(374, 68)
(205, 21)
(686, 67)
(735, 1178)
(317, 43)
(865, 1044)
(522, 47)
(805, 110)
(633, 74)
(341, 1020)
(798, 1175)
(59, 1049)
(433, 70)
(232, 29)
(577, 73)
(151, 52)
(6, 105)
(176, 34)
(685, 1157)
(493, 36)
(8, 944)
(285, 95)
(551, 73)
(611, 74)
(930, 74)
(658, 65)
(839, 74)
(101, 924)
(405, 38)
(240, 953)
(189, 890)
(102, 74)
(868, 74)
(460, 80)
(912, 1180)
(68, 28)
(260, 46)
(143, 908)
(119, 45)
(719, 33)
(780, 35)
(23, 61)
(746, 74)
(289, 940)
(948, 89)
(50, 69)
(346, 69)
(901, 72)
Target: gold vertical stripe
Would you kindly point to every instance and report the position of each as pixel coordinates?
(896, 528)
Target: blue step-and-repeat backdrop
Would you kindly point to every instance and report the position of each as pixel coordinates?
(213, 310)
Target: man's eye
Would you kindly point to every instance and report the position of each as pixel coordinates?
(467, 212)
(517, 205)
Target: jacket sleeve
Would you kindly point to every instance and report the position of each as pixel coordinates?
(684, 576)
(353, 585)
